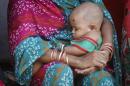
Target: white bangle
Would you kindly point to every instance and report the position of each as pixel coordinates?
(67, 59)
(55, 54)
(52, 54)
(62, 50)
(60, 55)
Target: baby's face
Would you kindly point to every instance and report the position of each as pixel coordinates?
(85, 18)
(79, 28)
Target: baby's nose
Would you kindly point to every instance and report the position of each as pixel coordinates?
(73, 31)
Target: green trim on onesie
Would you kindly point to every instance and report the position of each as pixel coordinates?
(87, 45)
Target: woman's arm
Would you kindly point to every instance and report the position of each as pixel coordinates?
(53, 55)
(107, 34)
(72, 60)
(107, 31)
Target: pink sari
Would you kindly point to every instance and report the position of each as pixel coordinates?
(32, 17)
(1, 83)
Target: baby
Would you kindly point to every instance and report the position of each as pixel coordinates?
(86, 21)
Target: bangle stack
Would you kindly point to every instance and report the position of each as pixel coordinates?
(108, 47)
(54, 54)
(66, 59)
(56, 57)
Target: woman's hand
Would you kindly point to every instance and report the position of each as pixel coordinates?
(92, 62)
(94, 59)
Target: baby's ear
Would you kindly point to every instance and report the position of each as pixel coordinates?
(92, 27)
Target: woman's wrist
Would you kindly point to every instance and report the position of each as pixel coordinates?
(54, 54)
(66, 58)
(60, 56)
(108, 49)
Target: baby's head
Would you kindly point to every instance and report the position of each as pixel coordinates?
(85, 18)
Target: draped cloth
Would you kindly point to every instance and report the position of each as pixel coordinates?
(125, 47)
(34, 22)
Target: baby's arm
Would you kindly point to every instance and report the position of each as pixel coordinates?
(72, 50)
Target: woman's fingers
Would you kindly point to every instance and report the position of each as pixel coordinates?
(97, 58)
(102, 57)
(86, 71)
(90, 59)
(101, 60)
(99, 64)
(104, 54)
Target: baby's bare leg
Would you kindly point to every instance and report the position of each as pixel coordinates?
(40, 61)
(37, 65)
